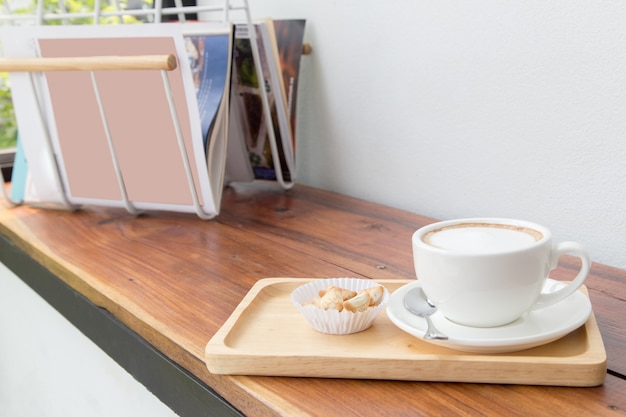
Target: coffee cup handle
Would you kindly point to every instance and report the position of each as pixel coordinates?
(570, 248)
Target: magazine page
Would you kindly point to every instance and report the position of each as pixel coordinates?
(209, 53)
(209, 50)
(289, 35)
(269, 47)
(238, 166)
(245, 95)
(138, 117)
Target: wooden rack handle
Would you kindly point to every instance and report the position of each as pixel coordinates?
(91, 63)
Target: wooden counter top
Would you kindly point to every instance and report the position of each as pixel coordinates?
(174, 279)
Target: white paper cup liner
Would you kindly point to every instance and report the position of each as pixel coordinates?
(333, 321)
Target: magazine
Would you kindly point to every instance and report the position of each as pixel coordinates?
(247, 105)
(289, 35)
(142, 129)
(210, 57)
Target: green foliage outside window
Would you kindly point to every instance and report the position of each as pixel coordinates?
(8, 125)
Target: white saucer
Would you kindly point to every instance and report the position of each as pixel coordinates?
(534, 328)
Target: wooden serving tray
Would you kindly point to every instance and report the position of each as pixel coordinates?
(266, 335)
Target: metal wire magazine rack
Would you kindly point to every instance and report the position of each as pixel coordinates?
(155, 14)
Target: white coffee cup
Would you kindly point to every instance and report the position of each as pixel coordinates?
(487, 272)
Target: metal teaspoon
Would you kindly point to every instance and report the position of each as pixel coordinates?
(416, 302)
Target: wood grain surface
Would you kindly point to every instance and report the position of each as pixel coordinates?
(267, 335)
(90, 63)
(175, 279)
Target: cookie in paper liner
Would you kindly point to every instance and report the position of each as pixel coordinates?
(332, 321)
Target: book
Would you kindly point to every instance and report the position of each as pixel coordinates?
(142, 129)
(247, 105)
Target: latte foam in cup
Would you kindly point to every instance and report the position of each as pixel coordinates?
(482, 237)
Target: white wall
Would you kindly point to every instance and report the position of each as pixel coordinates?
(48, 368)
(456, 109)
